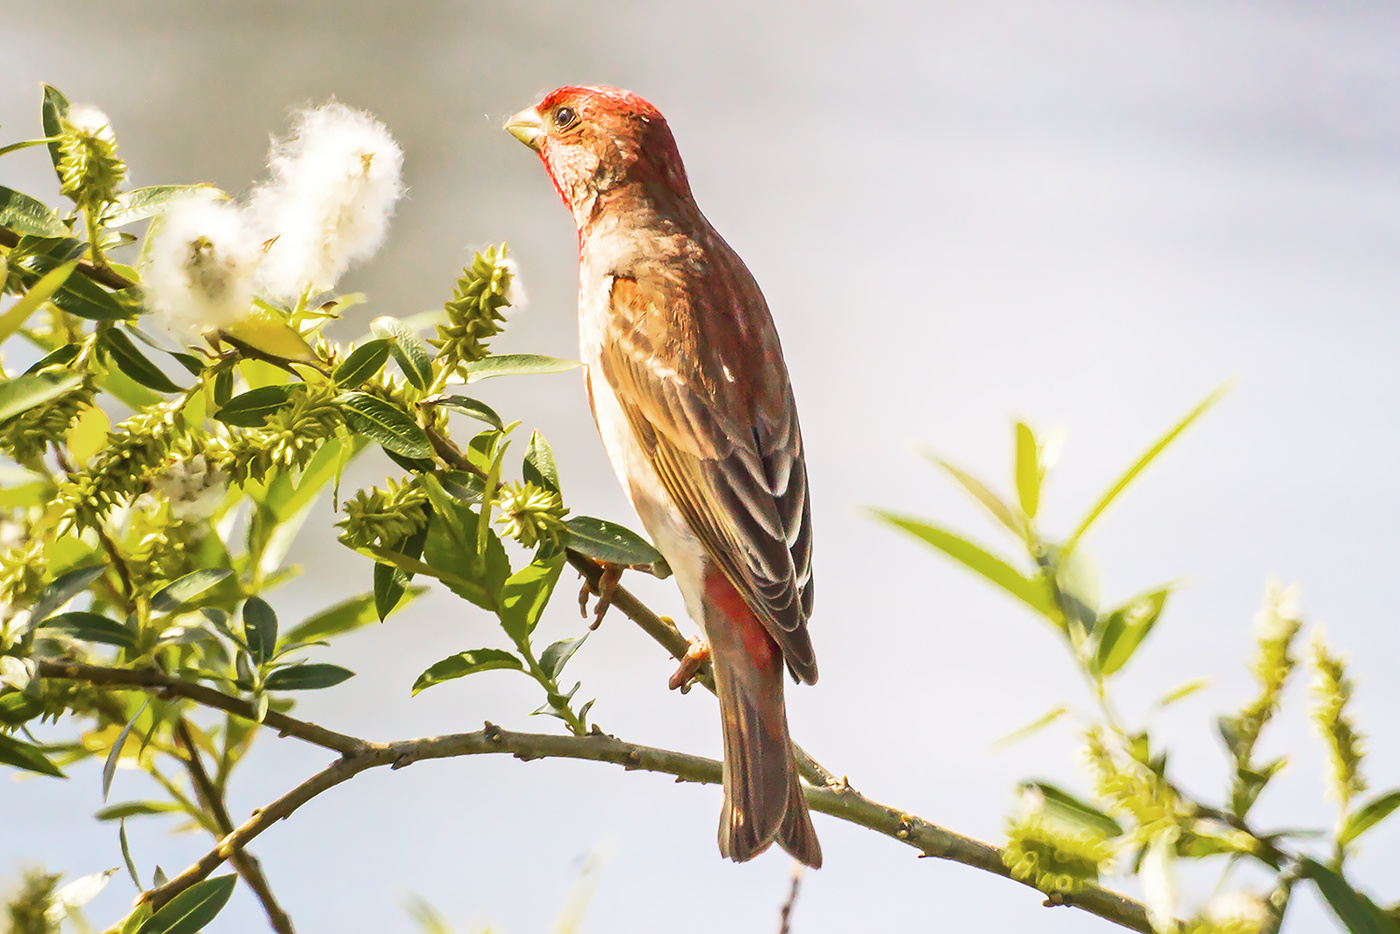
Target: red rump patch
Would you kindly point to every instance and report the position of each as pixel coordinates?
(759, 645)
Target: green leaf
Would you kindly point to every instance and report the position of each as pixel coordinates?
(260, 629)
(82, 297)
(1184, 691)
(1030, 729)
(540, 468)
(29, 303)
(64, 588)
(993, 503)
(389, 587)
(141, 203)
(307, 677)
(29, 216)
(408, 349)
(55, 108)
(362, 363)
(343, 617)
(130, 865)
(1107, 499)
(63, 356)
(1126, 627)
(1369, 815)
(458, 584)
(526, 593)
(134, 363)
(474, 408)
(26, 756)
(127, 809)
(516, 364)
(1028, 472)
(1354, 909)
(78, 893)
(89, 627)
(1032, 592)
(386, 425)
(1071, 810)
(25, 392)
(193, 908)
(466, 663)
(554, 658)
(173, 596)
(607, 541)
(17, 707)
(109, 768)
(253, 408)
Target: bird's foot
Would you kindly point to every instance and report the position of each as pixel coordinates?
(696, 655)
(607, 586)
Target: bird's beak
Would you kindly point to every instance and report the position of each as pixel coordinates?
(527, 126)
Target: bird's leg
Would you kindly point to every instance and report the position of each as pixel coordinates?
(696, 655)
(607, 585)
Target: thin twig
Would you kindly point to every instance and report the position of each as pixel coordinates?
(246, 863)
(103, 274)
(785, 916)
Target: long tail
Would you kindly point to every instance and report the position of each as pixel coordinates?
(763, 799)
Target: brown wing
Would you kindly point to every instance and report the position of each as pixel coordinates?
(721, 432)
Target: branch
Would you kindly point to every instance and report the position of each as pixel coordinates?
(103, 274)
(213, 800)
(174, 687)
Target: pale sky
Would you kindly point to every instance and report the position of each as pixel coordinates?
(1086, 214)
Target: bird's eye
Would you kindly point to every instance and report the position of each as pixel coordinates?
(564, 118)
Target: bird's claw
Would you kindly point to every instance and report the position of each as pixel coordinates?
(607, 587)
(696, 655)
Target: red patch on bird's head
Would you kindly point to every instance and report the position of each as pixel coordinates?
(596, 138)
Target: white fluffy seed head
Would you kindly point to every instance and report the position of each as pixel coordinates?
(89, 121)
(327, 202)
(200, 273)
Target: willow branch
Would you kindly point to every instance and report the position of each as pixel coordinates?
(213, 801)
(103, 274)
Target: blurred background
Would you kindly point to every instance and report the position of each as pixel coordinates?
(1086, 214)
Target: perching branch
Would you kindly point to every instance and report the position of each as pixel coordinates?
(103, 274)
(840, 801)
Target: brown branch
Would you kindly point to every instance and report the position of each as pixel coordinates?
(785, 916)
(151, 678)
(213, 801)
(103, 274)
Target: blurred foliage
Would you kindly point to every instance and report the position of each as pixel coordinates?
(1136, 819)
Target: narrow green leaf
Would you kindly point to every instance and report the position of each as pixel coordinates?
(130, 863)
(186, 589)
(62, 356)
(386, 425)
(1369, 815)
(25, 392)
(307, 677)
(526, 593)
(260, 629)
(38, 293)
(362, 363)
(554, 658)
(474, 408)
(141, 203)
(29, 216)
(343, 617)
(390, 585)
(64, 588)
(253, 408)
(90, 627)
(1030, 729)
(134, 363)
(1032, 592)
(1028, 475)
(408, 349)
(607, 541)
(466, 663)
(993, 503)
(109, 768)
(458, 584)
(55, 108)
(1126, 627)
(540, 468)
(517, 364)
(120, 812)
(1143, 461)
(193, 908)
(1354, 909)
(83, 297)
(1184, 691)
(1066, 807)
(25, 756)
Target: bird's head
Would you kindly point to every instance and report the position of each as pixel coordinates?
(595, 140)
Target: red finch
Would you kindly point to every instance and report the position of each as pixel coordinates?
(688, 386)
